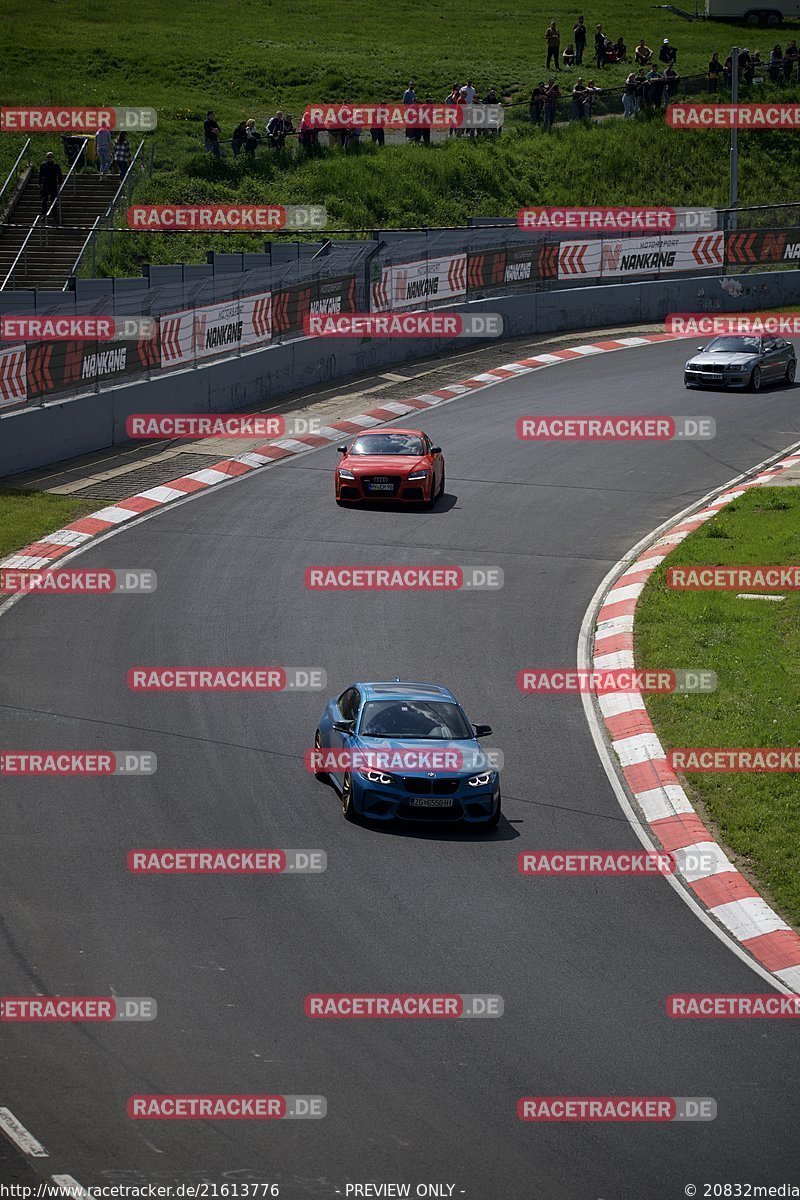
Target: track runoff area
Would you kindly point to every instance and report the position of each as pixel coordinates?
(356, 663)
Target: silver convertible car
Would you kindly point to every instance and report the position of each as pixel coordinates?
(742, 362)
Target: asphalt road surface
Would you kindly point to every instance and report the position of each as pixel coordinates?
(584, 965)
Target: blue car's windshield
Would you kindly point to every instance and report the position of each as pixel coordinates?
(428, 719)
(736, 345)
(388, 443)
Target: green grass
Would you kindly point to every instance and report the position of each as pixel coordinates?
(754, 646)
(264, 55)
(26, 516)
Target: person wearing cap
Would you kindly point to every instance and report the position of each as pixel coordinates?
(667, 53)
(50, 179)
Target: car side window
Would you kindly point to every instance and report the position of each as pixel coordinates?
(348, 704)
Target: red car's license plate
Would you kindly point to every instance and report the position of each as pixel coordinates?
(381, 487)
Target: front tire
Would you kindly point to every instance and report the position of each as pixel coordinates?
(322, 776)
(755, 380)
(348, 804)
(791, 371)
(441, 485)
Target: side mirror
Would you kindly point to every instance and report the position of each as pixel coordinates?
(342, 449)
(344, 726)
(482, 730)
(436, 449)
(701, 348)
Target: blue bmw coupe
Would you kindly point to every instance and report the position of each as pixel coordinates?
(406, 751)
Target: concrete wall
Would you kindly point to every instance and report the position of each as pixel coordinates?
(39, 435)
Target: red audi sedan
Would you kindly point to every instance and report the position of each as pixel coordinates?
(390, 464)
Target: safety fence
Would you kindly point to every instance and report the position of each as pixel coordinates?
(226, 309)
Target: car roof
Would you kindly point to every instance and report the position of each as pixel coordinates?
(409, 691)
(392, 429)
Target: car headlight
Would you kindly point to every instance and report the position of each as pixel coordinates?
(419, 475)
(481, 780)
(377, 777)
(345, 474)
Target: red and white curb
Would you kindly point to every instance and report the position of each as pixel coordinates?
(721, 890)
(64, 541)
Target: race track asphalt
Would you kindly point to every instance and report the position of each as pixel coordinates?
(584, 965)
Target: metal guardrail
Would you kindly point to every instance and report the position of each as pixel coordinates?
(108, 215)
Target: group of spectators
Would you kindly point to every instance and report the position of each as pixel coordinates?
(110, 151)
(650, 84)
(607, 52)
(246, 136)
(782, 66)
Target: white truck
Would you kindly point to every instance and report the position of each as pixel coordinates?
(753, 12)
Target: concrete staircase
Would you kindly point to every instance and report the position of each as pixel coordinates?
(48, 263)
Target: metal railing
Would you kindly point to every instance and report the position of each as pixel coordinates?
(105, 222)
(41, 220)
(12, 173)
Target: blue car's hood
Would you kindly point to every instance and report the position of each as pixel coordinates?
(457, 758)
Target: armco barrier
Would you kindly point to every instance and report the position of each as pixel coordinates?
(61, 429)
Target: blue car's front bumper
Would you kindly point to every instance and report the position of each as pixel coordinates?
(448, 800)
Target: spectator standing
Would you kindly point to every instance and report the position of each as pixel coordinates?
(599, 45)
(552, 95)
(629, 96)
(377, 133)
(671, 81)
(654, 88)
(409, 95)
(425, 132)
(727, 71)
(102, 142)
(776, 64)
(277, 128)
(468, 92)
(536, 103)
(667, 53)
(638, 89)
(122, 154)
(50, 179)
(238, 137)
(307, 135)
(642, 54)
(578, 100)
(579, 38)
(252, 138)
(714, 72)
(790, 59)
(211, 132)
(553, 40)
(592, 92)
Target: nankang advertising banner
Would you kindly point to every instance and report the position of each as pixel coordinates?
(215, 329)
